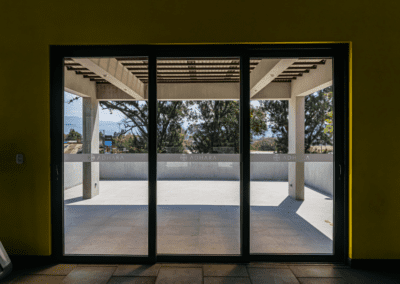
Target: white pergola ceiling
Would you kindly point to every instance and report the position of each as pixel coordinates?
(194, 70)
(215, 78)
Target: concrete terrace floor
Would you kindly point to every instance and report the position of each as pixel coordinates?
(196, 217)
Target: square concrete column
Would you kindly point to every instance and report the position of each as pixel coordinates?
(296, 146)
(90, 109)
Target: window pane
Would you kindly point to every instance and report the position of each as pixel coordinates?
(198, 168)
(105, 157)
(291, 194)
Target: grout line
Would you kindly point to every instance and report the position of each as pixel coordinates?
(297, 278)
(247, 270)
(312, 278)
(202, 273)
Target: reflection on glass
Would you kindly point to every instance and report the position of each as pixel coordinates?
(291, 203)
(105, 184)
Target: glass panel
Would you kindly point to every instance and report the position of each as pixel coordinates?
(198, 156)
(105, 157)
(291, 188)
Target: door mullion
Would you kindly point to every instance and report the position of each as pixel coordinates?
(245, 156)
(152, 158)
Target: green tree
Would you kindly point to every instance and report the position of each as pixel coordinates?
(170, 116)
(277, 115)
(267, 144)
(131, 142)
(317, 108)
(329, 115)
(73, 135)
(217, 125)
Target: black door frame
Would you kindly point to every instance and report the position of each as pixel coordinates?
(339, 52)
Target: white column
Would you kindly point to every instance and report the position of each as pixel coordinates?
(90, 108)
(296, 146)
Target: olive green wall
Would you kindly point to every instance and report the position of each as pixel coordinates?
(27, 30)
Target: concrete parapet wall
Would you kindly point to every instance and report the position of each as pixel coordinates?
(269, 171)
(194, 171)
(72, 174)
(317, 175)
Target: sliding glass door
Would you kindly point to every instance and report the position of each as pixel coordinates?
(234, 153)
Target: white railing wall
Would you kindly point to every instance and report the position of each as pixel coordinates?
(318, 175)
(72, 174)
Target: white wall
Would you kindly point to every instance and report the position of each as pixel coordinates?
(194, 171)
(72, 174)
(318, 175)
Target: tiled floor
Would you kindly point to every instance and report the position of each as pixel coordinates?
(201, 273)
(196, 217)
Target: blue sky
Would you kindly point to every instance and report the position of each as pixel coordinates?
(75, 109)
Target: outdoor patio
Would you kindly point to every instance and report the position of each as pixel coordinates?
(196, 217)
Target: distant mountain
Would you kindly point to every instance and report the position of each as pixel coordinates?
(74, 122)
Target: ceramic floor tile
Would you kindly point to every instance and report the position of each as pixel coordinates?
(39, 279)
(95, 265)
(225, 270)
(180, 276)
(86, 274)
(59, 269)
(322, 281)
(314, 271)
(271, 275)
(137, 270)
(226, 280)
(132, 280)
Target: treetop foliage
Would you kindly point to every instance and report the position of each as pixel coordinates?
(213, 126)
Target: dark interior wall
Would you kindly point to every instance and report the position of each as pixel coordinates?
(27, 30)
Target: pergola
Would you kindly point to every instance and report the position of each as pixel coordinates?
(126, 79)
(206, 70)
